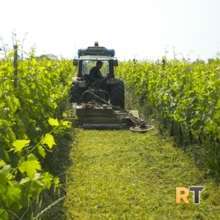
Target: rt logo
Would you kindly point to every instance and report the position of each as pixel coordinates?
(182, 194)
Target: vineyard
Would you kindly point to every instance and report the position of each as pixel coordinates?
(30, 121)
(182, 97)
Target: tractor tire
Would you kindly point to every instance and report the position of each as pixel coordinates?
(75, 93)
(117, 94)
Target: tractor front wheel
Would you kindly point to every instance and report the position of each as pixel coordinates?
(75, 93)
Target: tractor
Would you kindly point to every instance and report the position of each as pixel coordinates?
(97, 95)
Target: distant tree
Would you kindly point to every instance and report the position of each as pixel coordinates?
(48, 56)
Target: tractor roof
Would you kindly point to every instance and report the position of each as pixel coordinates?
(96, 51)
(95, 57)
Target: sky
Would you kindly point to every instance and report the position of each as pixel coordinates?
(141, 29)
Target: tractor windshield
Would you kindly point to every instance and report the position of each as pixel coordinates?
(87, 65)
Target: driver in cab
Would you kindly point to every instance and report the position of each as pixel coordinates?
(95, 72)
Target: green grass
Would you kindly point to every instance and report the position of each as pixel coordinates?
(125, 175)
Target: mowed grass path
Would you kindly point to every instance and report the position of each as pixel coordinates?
(125, 175)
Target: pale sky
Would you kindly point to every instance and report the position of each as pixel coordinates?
(134, 28)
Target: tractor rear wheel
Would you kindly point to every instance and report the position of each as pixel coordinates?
(117, 94)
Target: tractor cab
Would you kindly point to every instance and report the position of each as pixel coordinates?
(87, 59)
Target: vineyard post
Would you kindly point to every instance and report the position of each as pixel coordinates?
(15, 64)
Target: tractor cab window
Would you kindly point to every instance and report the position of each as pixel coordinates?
(87, 65)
